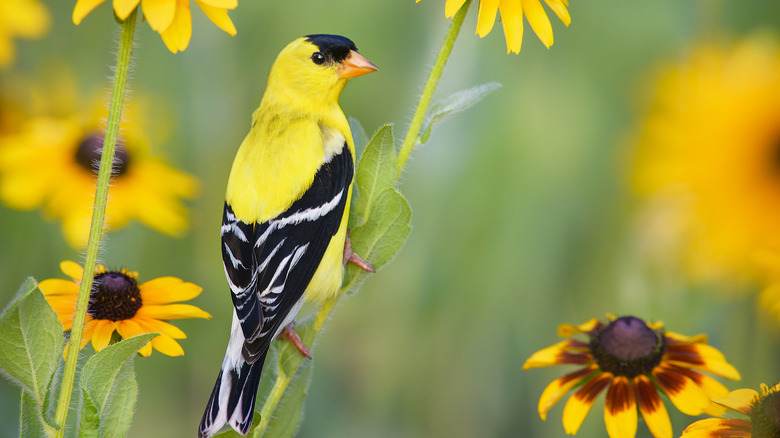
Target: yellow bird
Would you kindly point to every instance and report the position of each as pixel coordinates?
(284, 225)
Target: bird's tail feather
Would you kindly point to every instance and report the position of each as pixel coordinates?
(232, 399)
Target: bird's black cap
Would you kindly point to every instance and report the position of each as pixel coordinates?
(335, 48)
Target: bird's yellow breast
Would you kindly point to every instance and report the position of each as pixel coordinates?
(274, 166)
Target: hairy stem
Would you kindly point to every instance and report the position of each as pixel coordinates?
(412, 138)
(98, 216)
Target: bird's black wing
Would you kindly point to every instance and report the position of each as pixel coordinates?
(269, 265)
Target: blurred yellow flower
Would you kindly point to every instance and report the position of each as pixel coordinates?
(709, 153)
(632, 360)
(50, 162)
(20, 19)
(762, 410)
(119, 304)
(512, 12)
(170, 18)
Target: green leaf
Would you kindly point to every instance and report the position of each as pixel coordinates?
(375, 173)
(383, 234)
(90, 420)
(32, 424)
(32, 341)
(110, 388)
(457, 102)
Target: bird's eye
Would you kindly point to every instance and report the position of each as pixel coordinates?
(318, 58)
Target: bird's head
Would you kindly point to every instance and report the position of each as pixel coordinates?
(316, 68)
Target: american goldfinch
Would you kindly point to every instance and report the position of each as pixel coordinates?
(284, 224)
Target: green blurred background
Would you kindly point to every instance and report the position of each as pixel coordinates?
(522, 217)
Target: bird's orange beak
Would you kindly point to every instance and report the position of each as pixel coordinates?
(355, 65)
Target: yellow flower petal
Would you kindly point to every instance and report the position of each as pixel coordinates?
(538, 20)
(487, 16)
(177, 36)
(652, 408)
(714, 390)
(559, 7)
(223, 4)
(166, 345)
(155, 325)
(684, 393)
(123, 8)
(739, 400)
(546, 356)
(560, 386)
(218, 16)
(695, 339)
(452, 6)
(58, 287)
(84, 7)
(102, 336)
(166, 290)
(718, 428)
(715, 362)
(579, 404)
(72, 270)
(172, 311)
(146, 350)
(512, 20)
(568, 330)
(129, 328)
(159, 13)
(620, 409)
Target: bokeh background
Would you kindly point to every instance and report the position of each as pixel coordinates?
(523, 214)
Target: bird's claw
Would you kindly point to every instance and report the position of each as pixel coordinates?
(352, 257)
(289, 334)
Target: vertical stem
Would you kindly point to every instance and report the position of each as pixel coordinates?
(98, 216)
(413, 135)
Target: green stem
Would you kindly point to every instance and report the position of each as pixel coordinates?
(98, 216)
(413, 135)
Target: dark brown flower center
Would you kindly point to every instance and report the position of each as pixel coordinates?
(627, 347)
(115, 296)
(765, 416)
(91, 149)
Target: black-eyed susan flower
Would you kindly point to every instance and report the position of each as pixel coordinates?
(512, 12)
(707, 157)
(118, 303)
(28, 19)
(632, 361)
(50, 162)
(762, 411)
(170, 18)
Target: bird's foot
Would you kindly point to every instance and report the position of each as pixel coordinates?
(354, 258)
(289, 334)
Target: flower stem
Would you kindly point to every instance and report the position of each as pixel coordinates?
(98, 216)
(413, 135)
